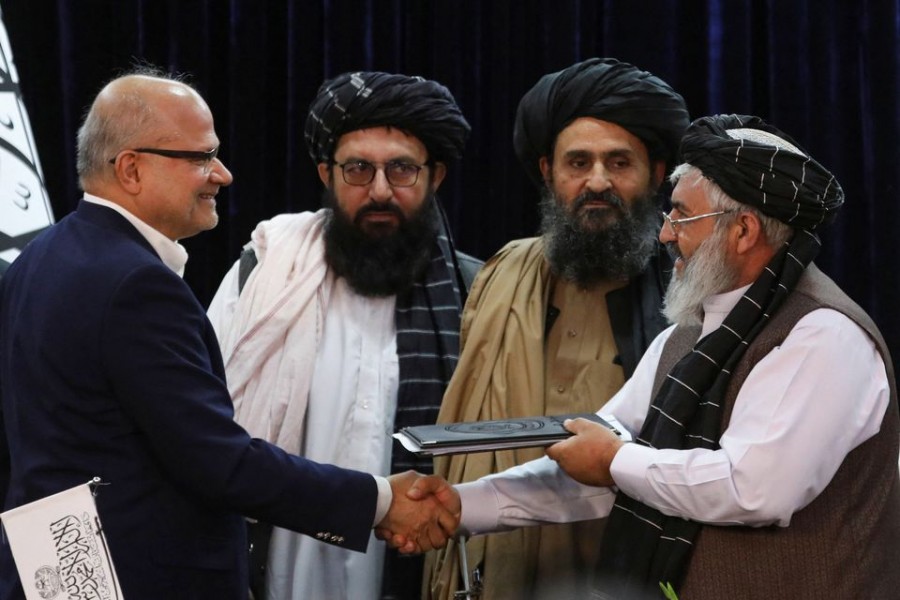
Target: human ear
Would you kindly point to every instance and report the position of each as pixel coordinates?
(546, 167)
(128, 172)
(324, 172)
(438, 172)
(658, 172)
(749, 232)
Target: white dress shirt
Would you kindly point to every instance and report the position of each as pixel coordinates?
(172, 253)
(801, 410)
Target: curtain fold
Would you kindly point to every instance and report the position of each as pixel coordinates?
(826, 71)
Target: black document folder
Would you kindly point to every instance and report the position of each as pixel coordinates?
(480, 436)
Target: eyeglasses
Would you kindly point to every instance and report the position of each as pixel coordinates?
(398, 174)
(673, 223)
(201, 157)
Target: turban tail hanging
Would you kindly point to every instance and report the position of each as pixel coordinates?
(758, 165)
(360, 100)
(605, 89)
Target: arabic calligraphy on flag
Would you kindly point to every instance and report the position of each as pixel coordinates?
(24, 204)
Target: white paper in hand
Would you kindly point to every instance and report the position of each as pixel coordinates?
(59, 548)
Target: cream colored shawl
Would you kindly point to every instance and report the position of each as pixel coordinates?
(500, 375)
(270, 341)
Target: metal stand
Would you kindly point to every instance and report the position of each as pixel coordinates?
(471, 590)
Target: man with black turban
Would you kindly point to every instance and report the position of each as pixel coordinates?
(557, 323)
(341, 326)
(765, 419)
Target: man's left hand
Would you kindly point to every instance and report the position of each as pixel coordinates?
(586, 456)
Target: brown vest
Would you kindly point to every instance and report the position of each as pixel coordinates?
(845, 543)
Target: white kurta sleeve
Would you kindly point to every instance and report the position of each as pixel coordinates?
(535, 493)
(801, 410)
(539, 492)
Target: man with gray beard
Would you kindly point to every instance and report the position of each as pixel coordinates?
(708, 271)
(556, 324)
(765, 421)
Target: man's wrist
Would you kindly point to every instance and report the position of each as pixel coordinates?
(385, 497)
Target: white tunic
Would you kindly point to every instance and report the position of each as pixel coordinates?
(801, 410)
(349, 423)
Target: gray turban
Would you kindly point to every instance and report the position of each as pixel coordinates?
(364, 99)
(605, 89)
(757, 164)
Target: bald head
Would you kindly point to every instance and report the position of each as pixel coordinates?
(130, 111)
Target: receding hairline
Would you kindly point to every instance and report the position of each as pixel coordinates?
(147, 87)
(133, 108)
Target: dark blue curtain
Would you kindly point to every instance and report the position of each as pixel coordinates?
(826, 71)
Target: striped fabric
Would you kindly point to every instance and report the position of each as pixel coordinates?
(359, 100)
(641, 546)
(758, 165)
(427, 319)
(761, 166)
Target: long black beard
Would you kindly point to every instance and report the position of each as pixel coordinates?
(593, 246)
(380, 263)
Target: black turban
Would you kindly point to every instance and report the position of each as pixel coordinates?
(757, 164)
(364, 99)
(605, 89)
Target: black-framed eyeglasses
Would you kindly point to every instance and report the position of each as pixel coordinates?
(674, 223)
(201, 157)
(397, 173)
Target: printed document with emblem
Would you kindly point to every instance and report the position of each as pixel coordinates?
(480, 436)
(59, 548)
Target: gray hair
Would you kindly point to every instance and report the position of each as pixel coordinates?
(776, 232)
(110, 127)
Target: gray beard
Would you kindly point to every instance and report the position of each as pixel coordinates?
(595, 246)
(705, 274)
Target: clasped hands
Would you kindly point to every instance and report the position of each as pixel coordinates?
(424, 513)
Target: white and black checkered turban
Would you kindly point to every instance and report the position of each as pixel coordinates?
(605, 89)
(421, 107)
(757, 164)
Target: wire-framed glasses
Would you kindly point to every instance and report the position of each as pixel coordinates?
(675, 223)
(397, 173)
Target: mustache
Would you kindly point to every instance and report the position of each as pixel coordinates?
(673, 250)
(375, 207)
(589, 196)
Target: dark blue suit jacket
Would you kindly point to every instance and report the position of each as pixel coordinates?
(110, 368)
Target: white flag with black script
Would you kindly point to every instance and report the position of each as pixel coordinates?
(59, 548)
(24, 204)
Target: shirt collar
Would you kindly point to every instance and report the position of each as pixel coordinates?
(172, 253)
(717, 307)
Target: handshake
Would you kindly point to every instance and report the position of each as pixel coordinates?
(425, 510)
(424, 513)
